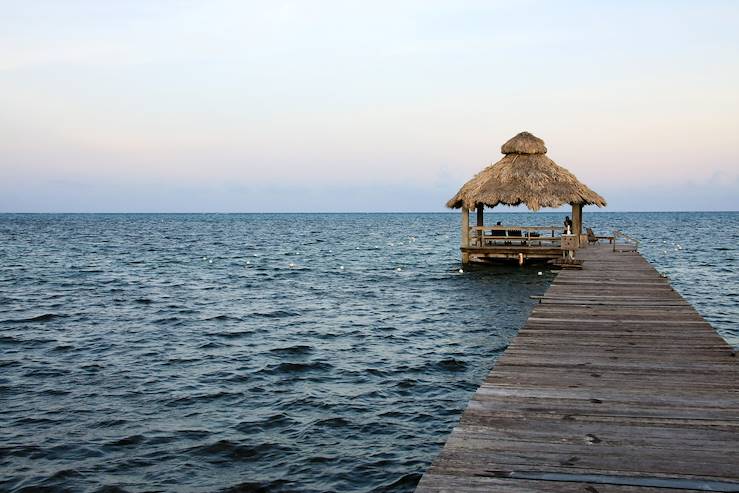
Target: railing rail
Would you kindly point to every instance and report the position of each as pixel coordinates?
(627, 241)
(516, 228)
(530, 236)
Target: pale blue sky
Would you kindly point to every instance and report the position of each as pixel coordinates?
(360, 106)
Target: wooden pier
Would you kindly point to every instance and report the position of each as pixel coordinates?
(614, 385)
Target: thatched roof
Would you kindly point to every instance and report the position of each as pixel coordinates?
(527, 176)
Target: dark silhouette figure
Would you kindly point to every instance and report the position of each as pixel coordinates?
(568, 222)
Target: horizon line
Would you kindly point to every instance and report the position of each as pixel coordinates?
(455, 211)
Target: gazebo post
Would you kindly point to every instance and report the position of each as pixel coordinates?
(465, 233)
(577, 222)
(480, 223)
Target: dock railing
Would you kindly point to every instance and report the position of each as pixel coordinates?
(502, 236)
(627, 243)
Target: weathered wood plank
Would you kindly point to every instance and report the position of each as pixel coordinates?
(450, 483)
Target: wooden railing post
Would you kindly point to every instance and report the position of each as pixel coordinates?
(577, 222)
(480, 224)
(465, 233)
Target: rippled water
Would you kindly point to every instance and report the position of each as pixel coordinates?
(306, 352)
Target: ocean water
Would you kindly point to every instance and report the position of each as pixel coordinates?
(257, 352)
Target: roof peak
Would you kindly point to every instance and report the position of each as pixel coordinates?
(524, 143)
(525, 175)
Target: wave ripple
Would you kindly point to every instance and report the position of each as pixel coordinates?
(287, 352)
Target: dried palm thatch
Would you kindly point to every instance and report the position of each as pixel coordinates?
(527, 176)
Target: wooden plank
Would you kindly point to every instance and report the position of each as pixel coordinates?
(451, 483)
(614, 384)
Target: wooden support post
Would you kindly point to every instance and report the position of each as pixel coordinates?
(577, 222)
(465, 233)
(480, 223)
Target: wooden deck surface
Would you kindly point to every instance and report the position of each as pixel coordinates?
(615, 384)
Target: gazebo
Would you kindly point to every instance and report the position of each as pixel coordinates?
(525, 175)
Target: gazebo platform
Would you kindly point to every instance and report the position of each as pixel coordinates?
(502, 253)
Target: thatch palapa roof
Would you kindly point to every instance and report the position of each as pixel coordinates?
(527, 176)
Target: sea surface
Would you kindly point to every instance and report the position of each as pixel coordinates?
(272, 352)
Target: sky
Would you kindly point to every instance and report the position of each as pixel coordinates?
(330, 106)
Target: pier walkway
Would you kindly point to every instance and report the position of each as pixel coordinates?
(615, 384)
